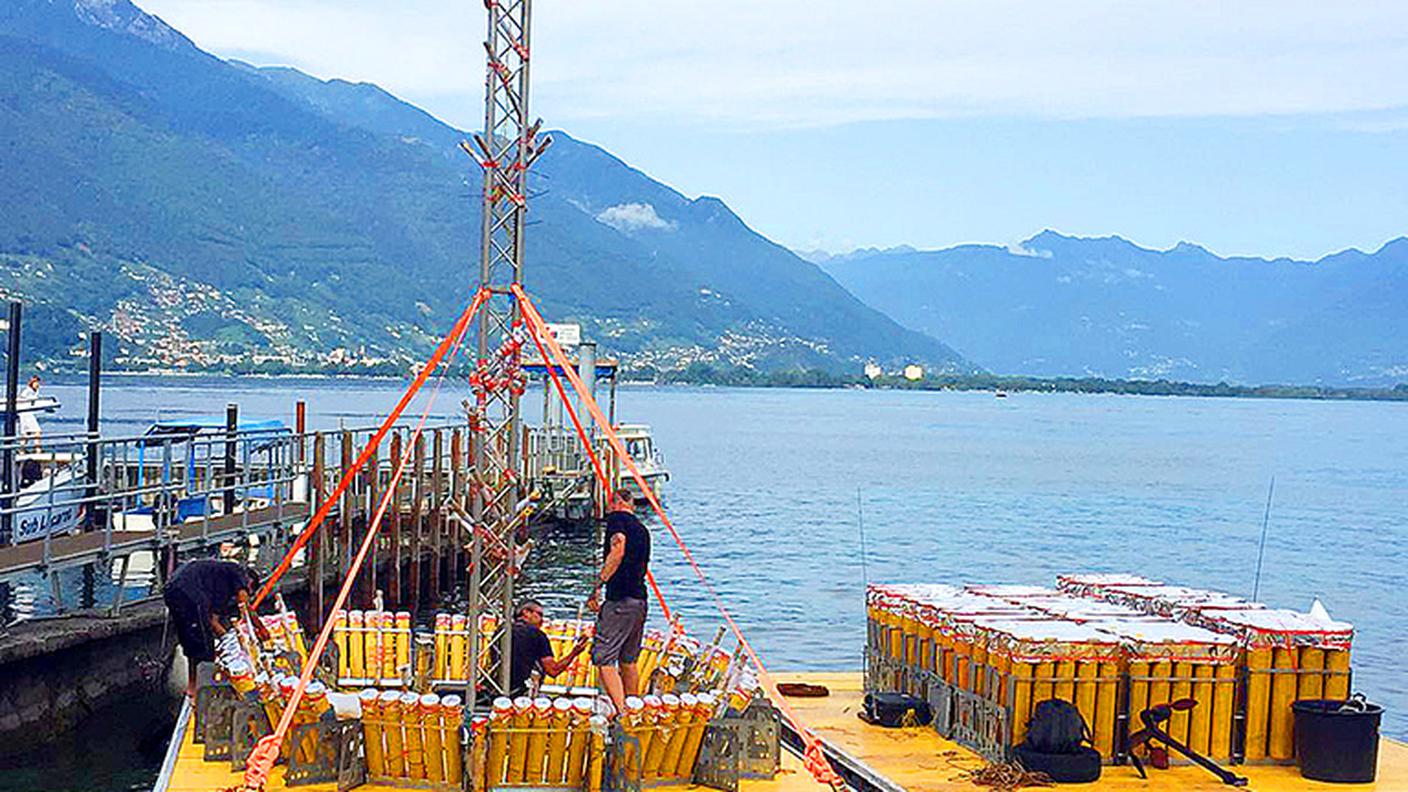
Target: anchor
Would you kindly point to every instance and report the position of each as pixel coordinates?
(1156, 715)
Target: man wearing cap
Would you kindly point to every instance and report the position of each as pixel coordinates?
(533, 651)
(620, 620)
(201, 597)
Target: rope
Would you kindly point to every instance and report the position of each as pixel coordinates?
(266, 751)
(596, 461)
(351, 473)
(813, 757)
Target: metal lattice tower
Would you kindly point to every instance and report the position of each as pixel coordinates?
(504, 151)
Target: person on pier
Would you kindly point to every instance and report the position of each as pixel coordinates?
(532, 651)
(620, 621)
(201, 597)
(29, 421)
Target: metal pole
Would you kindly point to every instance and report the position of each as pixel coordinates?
(586, 370)
(95, 388)
(12, 395)
(232, 420)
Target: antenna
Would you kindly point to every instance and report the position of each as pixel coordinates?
(1261, 548)
(860, 524)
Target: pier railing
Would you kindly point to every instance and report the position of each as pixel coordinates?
(155, 499)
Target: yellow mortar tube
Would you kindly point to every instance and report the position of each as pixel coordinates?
(1138, 692)
(539, 721)
(1258, 702)
(1280, 745)
(1181, 688)
(500, 720)
(414, 738)
(689, 754)
(431, 738)
(1223, 697)
(980, 665)
(1022, 676)
(1043, 688)
(1065, 686)
(1311, 683)
(371, 640)
(596, 756)
(356, 662)
(442, 646)
(372, 731)
(579, 742)
(674, 749)
(451, 715)
(1002, 669)
(518, 740)
(458, 647)
(1337, 674)
(962, 662)
(560, 725)
(1086, 671)
(665, 717)
(393, 733)
(339, 638)
(1200, 719)
(403, 643)
(1106, 705)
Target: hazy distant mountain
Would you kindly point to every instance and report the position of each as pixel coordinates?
(210, 213)
(1058, 305)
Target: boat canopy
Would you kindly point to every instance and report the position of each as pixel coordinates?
(214, 424)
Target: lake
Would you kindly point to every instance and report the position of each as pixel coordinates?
(770, 489)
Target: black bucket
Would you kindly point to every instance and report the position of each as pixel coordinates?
(1337, 740)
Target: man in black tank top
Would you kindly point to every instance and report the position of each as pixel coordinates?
(620, 621)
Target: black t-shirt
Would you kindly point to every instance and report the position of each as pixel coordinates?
(210, 585)
(628, 582)
(530, 646)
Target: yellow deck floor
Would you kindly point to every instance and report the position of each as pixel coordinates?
(916, 759)
(920, 761)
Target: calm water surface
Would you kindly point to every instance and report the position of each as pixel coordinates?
(961, 487)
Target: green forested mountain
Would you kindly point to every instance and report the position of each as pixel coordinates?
(213, 215)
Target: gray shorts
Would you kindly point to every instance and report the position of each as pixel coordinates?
(620, 625)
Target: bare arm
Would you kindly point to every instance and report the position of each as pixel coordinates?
(552, 666)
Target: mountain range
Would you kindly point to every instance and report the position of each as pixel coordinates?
(209, 214)
(1057, 305)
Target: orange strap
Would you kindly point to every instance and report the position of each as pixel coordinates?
(596, 461)
(266, 751)
(348, 475)
(817, 764)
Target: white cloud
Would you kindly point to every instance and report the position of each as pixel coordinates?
(631, 217)
(1018, 249)
(746, 64)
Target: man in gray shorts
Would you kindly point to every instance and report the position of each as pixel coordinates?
(620, 620)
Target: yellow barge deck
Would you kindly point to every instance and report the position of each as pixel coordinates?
(912, 760)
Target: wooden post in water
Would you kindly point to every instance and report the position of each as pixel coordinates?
(437, 514)
(417, 491)
(232, 420)
(344, 517)
(317, 545)
(371, 477)
(393, 514)
(457, 538)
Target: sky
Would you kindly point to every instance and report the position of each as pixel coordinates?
(1252, 128)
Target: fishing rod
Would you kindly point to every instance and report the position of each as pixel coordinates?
(860, 525)
(1261, 548)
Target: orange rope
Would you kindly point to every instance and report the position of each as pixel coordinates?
(266, 751)
(813, 757)
(348, 475)
(601, 477)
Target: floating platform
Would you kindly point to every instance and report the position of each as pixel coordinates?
(879, 759)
